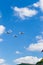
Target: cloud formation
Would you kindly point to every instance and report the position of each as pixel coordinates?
(36, 4)
(2, 61)
(1, 39)
(25, 12)
(18, 52)
(2, 29)
(27, 59)
(36, 46)
(41, 5)
(28, 11)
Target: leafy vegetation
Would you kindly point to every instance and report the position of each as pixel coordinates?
(25, 64)
(40, 62)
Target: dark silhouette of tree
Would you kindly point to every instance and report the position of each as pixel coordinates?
(25, 64)
(40, 62)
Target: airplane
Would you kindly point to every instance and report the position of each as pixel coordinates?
(15, 36)
(21, 33)
(9, 32)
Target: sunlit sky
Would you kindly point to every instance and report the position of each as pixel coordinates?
(16, 17)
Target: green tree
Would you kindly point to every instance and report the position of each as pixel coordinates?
(40, 62)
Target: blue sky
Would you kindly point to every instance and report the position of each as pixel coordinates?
(21, 16)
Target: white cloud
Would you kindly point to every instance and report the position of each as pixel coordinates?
(35, 47)
(38, 46)
(28, 11)
(2, 60)
(27, 59)
(1, 39)
(5, 64)
(18, 52)
(25, 12)
(36, 4)
(39, 37)
(41, 4)
(2, 29)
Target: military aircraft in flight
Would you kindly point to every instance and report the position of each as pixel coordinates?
(15, 36)
(21, 33)
(9, 32)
